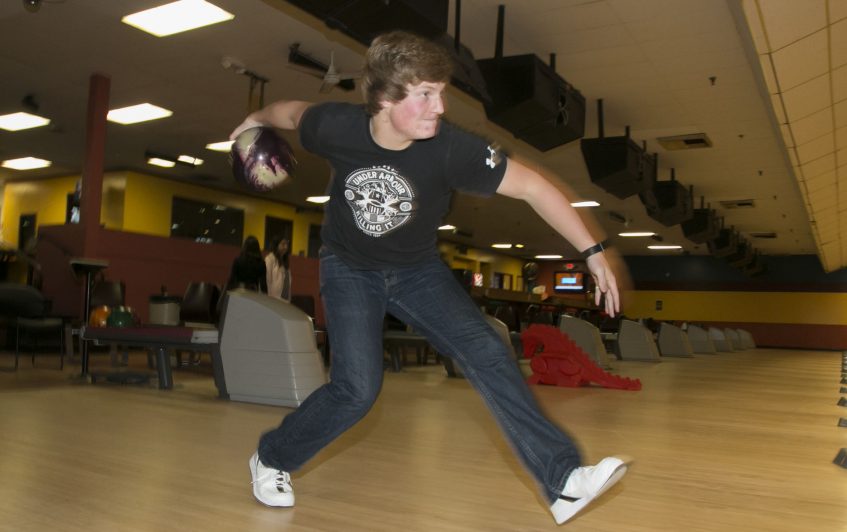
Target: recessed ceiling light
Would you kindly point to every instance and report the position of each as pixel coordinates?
(177, 17)
(519, 246)
(548, 256)
(188, 159)
(137, 113)
(664, 247)
(164, 163)
(317, 199)
(19, 121)
(501, 246)
(637, 234)
(220, 146)
(578, 204)
(447, 227)
(26, 163)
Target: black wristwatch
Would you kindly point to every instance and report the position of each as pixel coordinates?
(596, 248)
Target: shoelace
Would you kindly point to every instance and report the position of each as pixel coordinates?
(281, 478)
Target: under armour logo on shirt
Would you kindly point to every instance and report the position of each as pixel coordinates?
(493, 158)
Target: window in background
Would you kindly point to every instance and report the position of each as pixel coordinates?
(314, 241)
(278, 227)
(206, 222)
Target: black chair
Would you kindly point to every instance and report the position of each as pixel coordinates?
(27, 312)
(199, 308)
(200, 303)
(506, 314)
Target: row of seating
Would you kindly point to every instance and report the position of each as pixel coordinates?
(634, 341)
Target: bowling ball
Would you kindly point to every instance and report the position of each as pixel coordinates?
(261, 159)
(121, 317)
(99, 316)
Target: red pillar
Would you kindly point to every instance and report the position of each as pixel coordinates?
(92, 167)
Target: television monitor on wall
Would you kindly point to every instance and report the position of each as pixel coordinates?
(569, 282)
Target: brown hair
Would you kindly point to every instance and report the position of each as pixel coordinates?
(397, 59)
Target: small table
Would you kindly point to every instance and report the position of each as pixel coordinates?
(161, 338)
(89, 267)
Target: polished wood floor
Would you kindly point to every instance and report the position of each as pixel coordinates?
(729, 442)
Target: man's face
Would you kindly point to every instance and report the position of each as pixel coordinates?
(416, 116)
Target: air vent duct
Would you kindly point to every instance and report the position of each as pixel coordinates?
(685, 142)
(738, 204)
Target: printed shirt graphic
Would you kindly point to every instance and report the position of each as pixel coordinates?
(381, 199)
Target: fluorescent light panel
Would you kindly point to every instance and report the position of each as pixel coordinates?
(317, 199)
(133, 114)
(164, 163)
(220, 146)
(637, 234)
(177, 17)
(190, 160)
(447, 227)
(502, 246)
(664, 247)
(26, 163)
(19, 121)
(579, 204)
(548, 256)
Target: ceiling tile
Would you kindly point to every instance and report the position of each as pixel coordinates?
(807, 98)
(817, 148)
(819, 166)
(815, 184)
(755, 24)
(837, 10)
(787, 21)
(839, 84)
(838, 43)
(841, 140)
(812, 126)
(841, 114)
(802, 60)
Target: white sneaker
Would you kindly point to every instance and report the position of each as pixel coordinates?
(586, 484)
(271, 486)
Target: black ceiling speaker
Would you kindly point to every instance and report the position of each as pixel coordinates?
(617, 164)
(702, 226)
(668, 202)
(466, 73)
(365, 19)
(725, 244)
(756, 266)
(742, 256)
(529, 99)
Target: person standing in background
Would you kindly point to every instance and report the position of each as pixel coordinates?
(278, 272)
(248, 269)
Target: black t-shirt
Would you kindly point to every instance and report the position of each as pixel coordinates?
(386, 205)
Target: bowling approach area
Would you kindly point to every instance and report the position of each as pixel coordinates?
(722, 442)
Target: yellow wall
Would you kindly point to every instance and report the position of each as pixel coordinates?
(748, 307)
(141, 204)
(46, 198)
(476, 260)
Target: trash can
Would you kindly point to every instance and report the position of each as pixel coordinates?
(164, 309)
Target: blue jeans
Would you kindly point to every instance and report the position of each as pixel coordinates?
(429, 298)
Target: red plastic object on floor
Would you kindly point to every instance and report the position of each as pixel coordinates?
(557, 360)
